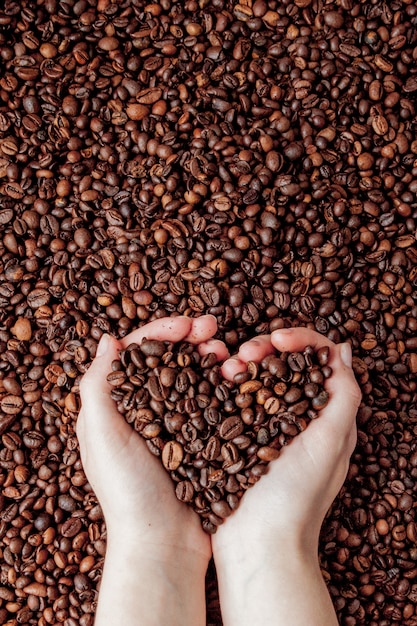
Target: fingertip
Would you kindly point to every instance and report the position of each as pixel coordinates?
(163, 329)
(215, 346)
(345, 351)
(202, 328)
(282, 331)
(256, 348)
(233, 366)
(105, 344)
(107, 350)
(342, 383)
(296, 339)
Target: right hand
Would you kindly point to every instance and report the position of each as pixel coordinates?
(289, 503)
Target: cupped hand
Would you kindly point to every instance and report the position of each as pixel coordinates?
(135, 491)
(291, 500)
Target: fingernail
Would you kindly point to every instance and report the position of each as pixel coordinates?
(103, 344)
(283, 331)
(346, 354)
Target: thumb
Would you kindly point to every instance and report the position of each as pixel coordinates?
(337, 420)
(345, 396)
(96, 401)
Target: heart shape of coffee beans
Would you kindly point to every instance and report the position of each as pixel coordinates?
(216, 437)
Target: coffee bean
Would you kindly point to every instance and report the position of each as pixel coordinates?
(11, 405)
(271, 405)
(212, 415)
(320, 401)
(184, 491)
(221, 508)
(231, 427)
(276, 366)
(229, 453)
(152, 431)
(38, 298)
(172, 455)
(210, 294)
(250, 386)
(296, 362)
(235, 468)
(116, 378)
(156, 390)
(152, 347)
(212, 449)
(266, 453)
(294, 394)
(323, 355)
(167, 377)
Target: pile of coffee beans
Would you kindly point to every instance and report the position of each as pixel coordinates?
(253, 159)
(216, 437)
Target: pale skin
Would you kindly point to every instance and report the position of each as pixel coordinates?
(265, 553)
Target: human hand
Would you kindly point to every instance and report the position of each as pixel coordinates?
(266, 552)
(136, 493)
(157, 552)
(292, 499)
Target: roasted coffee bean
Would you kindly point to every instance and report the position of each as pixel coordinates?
(221, 508)
(210, 293)
(172, 455)
(296, 362)
(231, 427)
(11, 405)
(212, 449)
(151, 347)
(156, 390)
(323, 355)
(229, 453)
(182, 382)
(212, 415)
(320, 401)
(276, 366)
(184, 491)
(266, 453)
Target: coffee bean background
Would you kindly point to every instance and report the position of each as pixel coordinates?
(257, 161)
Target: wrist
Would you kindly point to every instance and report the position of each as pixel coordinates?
(260, 543)
(262, 550)
(169, 551)
(272, 582)
(158, 582)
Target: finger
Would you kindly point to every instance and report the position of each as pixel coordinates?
(215, 346)
(296, 339)
(253, 350)
(164, 329)
(333, 434)
(202, 329)
(233, 366)
(342, 382)
(256, 348)
(344, 395)
(344, 392)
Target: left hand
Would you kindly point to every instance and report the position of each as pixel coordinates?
(135, 491)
